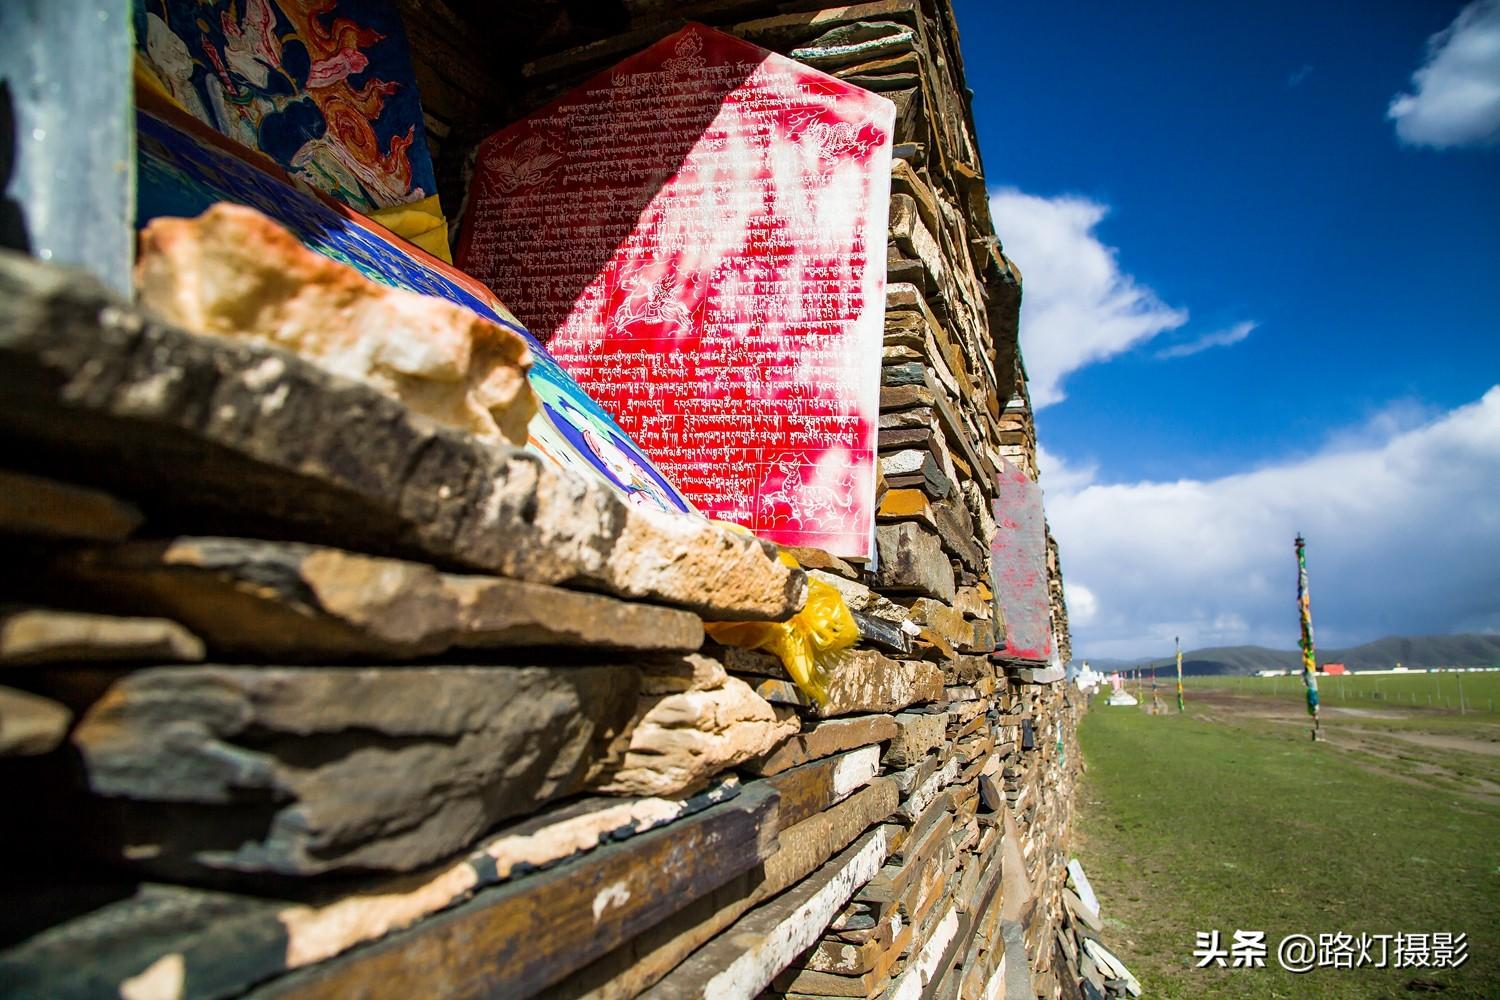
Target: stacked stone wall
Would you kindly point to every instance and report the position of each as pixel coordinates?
(317, 698)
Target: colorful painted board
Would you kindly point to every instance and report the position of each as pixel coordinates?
(1018, 562)
(184, 167)
(699, 236)
(323, 87)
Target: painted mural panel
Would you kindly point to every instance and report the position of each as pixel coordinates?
(699, 236)
(323, 87)
(1018, 562)
(184, 168)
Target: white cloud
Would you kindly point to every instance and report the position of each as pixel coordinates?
(1078, 307)
(1456, 93)
(1219, 338)
(1055, 473)
(1403, 538)
(1296, 79)
(1083, 606)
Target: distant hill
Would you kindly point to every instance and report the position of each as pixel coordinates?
(1416, 652)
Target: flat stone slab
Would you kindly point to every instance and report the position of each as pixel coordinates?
(636, 965)
(943, 620)
(43, 635)
(241, 438)
(312, 770)
(812, 788)
(1107, 961)
(823, 739)
(742, 961)
(912, 559)
(1037, 675)
(969, 669)
(882, 633)
(1081, 912)
(909, 778)
(1079, 881)
(922, 795)
(294, 770)
(516, 939)
(30, 724)
(224, 943)
(291, 601)
(864, 681)
(692, 721)
(928, 965)
(862, 599)
(36, 505)
(811, 558)
(917, 735)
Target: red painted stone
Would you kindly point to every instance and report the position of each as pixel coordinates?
(698, 235)
(1018, 562)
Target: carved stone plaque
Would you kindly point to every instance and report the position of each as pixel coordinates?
(1018, 557)
(698, 235)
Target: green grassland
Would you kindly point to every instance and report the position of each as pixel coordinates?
(1480, 690)
(1228, 818)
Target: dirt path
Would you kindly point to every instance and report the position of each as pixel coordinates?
(1463, 762)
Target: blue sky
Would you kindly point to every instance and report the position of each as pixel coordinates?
(1251, 293)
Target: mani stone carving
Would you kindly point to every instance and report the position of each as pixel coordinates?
(698, 235)
(1018, 556)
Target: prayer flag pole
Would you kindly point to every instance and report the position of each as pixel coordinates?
(1309, 655)
(1181, 707)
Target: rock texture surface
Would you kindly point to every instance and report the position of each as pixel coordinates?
(823, 739)
(239, 436)
(865, 681)
(302, 602)
(224, 943)
(43, 635)
(912, 558)
(36, 505)
(692, 722)
(516, 939)
(341, 768)
(29, 724)
(232, 272)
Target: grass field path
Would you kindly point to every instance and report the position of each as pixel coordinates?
(1189, 824)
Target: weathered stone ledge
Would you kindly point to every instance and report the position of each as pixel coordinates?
(244, 436)
(298, 602)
